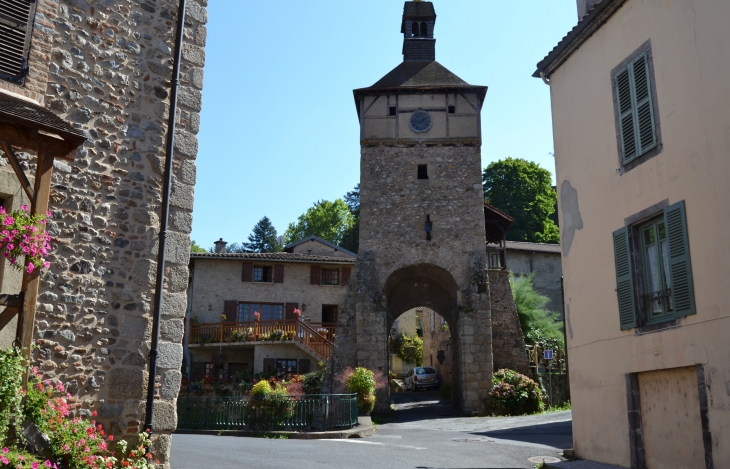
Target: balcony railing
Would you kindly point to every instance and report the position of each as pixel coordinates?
(318, 336)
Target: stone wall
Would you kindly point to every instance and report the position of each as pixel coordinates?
(218, 280)
(105, 65)
(547, 268)
(508, 342)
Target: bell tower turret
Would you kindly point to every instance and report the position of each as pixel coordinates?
(419, 19)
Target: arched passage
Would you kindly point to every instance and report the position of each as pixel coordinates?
(426, 289)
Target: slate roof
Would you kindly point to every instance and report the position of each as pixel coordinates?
(594, 19)
(419, 74)
(418, 9)
(29, 113)
(288, 247)
(537, 247)
(275, 257)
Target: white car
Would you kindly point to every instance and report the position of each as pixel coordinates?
(422, 377)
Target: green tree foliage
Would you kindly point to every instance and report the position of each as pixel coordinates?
(409, 349)
(351, 238)
(523, 190)
(535, 320)
(197, 248)
(328, 220)
(362, 382)
(263, 238)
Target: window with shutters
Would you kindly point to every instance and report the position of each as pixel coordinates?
(330, 276)
(286, 367)
(263, 273)
(637, 117)
(16, 25)
(653, 269)
(267, 311)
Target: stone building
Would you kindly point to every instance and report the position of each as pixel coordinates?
(105, 66)
(226, 289)
(640, 94)
(422, 238)
(544, 262)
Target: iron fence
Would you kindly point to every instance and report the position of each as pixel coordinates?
(295, 413)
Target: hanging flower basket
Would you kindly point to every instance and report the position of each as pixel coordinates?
(23, 234)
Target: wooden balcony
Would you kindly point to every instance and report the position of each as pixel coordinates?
(316, 336)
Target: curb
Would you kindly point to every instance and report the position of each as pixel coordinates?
(363, 429)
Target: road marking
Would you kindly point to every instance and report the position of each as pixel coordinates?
(362, 442)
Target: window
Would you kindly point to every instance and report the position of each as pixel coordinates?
(415, 29)
(452, 109)
(16, 24)
(329, 314)
(263, 273)
(286, 367)
(392, 111)
(635, 107)
(422, 171)
(330, 276)
(268, 311)
(659, 287)
(424, 30)
(213, 370)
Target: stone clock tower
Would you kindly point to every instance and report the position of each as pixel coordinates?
(422, 237)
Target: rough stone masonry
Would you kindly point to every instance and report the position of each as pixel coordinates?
(106, 66)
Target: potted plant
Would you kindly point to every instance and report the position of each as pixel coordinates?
(207, 383)
(23, 234)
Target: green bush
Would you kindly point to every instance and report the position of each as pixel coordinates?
(11, 397)
(531, 310)
(312, 383)
(409, 349)
(515, 394)
(261, 390)
(362, 382)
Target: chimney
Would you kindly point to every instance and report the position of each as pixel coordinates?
(220, 246)
(584, 6)
(419, 19)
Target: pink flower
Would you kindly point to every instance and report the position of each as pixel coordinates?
(66, 447)
(24, 207)
(34, 465)
(5, 450)
(30, 268)
(48, 463)
(256, 315)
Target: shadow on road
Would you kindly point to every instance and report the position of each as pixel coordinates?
(414, 406)
(557, 434)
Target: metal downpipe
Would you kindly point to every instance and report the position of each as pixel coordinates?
(164, 215)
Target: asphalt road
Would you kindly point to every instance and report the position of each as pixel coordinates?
(424, 434)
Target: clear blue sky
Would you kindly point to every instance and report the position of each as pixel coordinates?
(279, 129)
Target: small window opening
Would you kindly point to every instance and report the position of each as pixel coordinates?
(414, 29)
(428, 227)
(422, 171)
(424, 30)
(392, 111)
(452, 109)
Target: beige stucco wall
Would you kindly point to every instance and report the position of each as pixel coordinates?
(691, 64)
(216, 280)
(406, 324)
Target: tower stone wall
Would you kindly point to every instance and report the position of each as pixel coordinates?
(106, 67)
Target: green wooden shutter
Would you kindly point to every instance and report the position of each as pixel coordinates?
(635, 108)
(644, 107)
(680, 266)
(624, 278)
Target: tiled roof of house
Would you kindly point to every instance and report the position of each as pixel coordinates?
(30, 113)
(276, 257)
(537, 247)
(594, 19)
(290, 246)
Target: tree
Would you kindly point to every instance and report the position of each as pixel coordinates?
(535, 320)
(328, 220)
(351, 238)
(196, 248)
(262, 238)
(523, 190)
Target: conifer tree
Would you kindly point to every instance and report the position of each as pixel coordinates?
(263, 238)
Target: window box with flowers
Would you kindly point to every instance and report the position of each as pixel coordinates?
(23, 235)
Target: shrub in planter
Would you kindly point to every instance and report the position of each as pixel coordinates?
(11, 397)
(362, 382)
(514, 394)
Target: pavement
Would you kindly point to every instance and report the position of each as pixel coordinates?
(423, 433)
(582, 465)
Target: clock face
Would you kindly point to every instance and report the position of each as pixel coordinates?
(420, 121)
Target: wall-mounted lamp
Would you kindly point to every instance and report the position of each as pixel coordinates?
(304, 307)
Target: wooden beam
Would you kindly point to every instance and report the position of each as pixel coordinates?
(18, 169)
(11, 300)
(8, 315)
(20, 137)
(31, 281)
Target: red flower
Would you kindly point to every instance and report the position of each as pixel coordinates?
(94, 413)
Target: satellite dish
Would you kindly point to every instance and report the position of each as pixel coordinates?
(280, 240)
